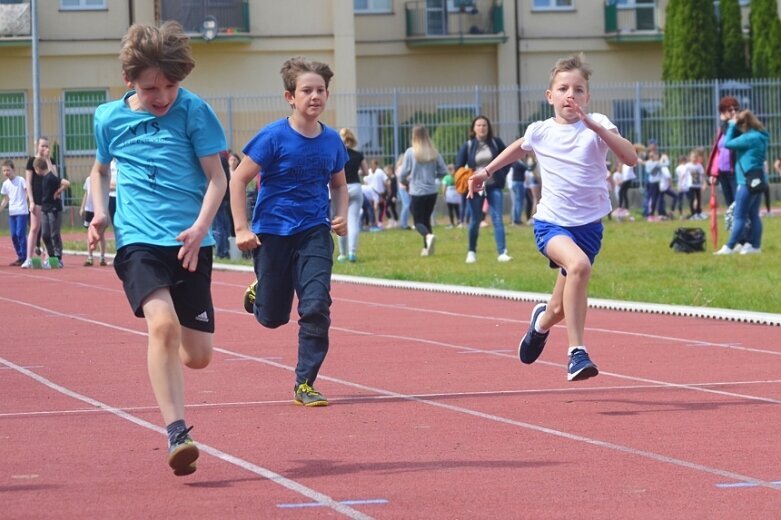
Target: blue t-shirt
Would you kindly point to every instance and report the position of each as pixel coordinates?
(160, 182)
(294, 174)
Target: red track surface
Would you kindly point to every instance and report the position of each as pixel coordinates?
(431, 414)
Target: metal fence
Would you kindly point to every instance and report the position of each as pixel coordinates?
(679, 116)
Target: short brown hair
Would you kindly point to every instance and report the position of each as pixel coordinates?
(41, 164)
(574, 62)
(166, 48)
(9, 163)
(294, 67)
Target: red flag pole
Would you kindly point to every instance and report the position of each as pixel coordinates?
(714, 217)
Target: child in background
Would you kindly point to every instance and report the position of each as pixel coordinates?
(696, 174)
(87, 212)
(571, 150)
(51, 209)
(298, 159)
(14, 196)
(452, 197)
(167, 143)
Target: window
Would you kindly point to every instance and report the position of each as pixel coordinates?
(553, 4)
(13, 124)
(74, 5)
(373, 6)
(79, 113)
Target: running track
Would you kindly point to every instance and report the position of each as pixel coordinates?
(431, 414)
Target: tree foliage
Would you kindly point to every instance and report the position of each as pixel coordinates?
(691, 35)
(765, 39)
(734, 58)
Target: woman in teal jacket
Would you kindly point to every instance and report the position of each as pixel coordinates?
(749, 139)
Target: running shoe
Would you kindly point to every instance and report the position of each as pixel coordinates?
(249, 297)
(88, 262)
(580, 366)
(182, 453)
(533, 342)
(307, 396)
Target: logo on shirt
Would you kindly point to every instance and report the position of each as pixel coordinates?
(202, 317)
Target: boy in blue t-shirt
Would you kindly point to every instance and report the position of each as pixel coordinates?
(166, 143)
(298, 158)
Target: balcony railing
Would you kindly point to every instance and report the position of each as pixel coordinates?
(15, 19)
(232, 16)
(638, 23)
(454, 22)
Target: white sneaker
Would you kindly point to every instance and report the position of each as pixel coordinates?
(430, 244)
(504, 257)
(748, 249)
(471, 257)
(424, 252)
(27, 264)
(738, 248)
(725, 250)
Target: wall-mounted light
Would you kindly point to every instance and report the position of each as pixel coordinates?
(210, 28)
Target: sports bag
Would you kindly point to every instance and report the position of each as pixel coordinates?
(688, 240)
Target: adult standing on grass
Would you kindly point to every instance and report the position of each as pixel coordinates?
(166, 142)
(422, 165)
(355, 169)
(721, 161)
(747, 137)
(481, 147)
(571, 150)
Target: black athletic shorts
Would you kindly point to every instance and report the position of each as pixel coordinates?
(145, 268)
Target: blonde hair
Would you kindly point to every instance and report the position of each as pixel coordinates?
(166, 48)
(746, 120)
(348, 138)
(574, 62)
(294, 67)
(422, 147)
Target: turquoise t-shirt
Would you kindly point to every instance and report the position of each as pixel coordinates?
(294, 174)
(160, 182)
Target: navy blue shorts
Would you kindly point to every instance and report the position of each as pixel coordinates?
(587, 237)
(145, 268)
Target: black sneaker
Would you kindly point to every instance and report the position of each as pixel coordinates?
(533, 342)
(249, 297)
(580, 366)
(182, 454)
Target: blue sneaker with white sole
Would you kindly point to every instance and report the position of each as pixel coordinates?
(533, 342)
(580, 366)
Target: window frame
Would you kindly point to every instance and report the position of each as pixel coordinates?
(10, 114)
(552, 7)
(74, 141)
(373, 9)
(82, 5)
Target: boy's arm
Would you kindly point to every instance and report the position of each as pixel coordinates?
(3, 202)
(339, 199)
(64, 185)
(509, 155)
(620, 146)
(192, 237)
(99, 183)
(247, 170)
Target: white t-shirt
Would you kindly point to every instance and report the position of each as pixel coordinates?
(572, 171)
(684, 177)
(16, 191)
(88, 203)
(377, 180)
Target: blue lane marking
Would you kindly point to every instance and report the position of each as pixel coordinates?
(744, 484)
(343, 502)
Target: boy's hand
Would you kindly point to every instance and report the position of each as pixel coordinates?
(246, 240)
(96, 229)
(476, 182)
(339, 226)
(191, 239)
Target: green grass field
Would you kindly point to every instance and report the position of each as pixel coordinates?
(636, 264)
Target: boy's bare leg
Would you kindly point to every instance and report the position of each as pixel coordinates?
(570, 295)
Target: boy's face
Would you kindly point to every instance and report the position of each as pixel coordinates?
(568, 90)
(155, 92)
(310, 95)
(8, 172)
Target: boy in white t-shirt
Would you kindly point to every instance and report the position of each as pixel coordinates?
(571, 150)
(14, 195)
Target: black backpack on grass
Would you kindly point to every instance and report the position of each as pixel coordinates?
(688, 240)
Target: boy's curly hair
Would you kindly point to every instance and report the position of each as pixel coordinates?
(166, 48)
(574, 62)
(294, 67)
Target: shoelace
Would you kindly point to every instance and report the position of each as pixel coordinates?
(308, 390)
(181, 437)
(577, 356)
